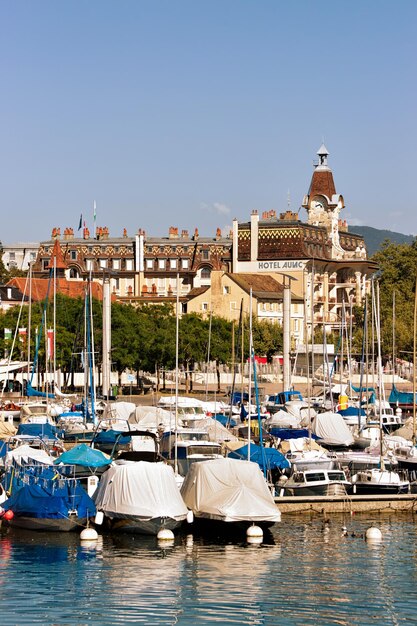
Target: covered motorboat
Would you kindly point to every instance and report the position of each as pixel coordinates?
(44, 499)
(229, 491)
(85, 460)
(331, 430)
(140, 497)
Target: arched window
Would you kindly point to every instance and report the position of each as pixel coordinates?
(205, 273)
(73, 273)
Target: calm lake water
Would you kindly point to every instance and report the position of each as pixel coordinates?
(304, 573)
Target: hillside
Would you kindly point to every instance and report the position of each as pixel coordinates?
(374, 237)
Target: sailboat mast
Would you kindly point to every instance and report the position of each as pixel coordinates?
(106, 365)
(177, 315)
(250, 370)
(54, 331)
(414, 363)
(393, 337)
(29, 319)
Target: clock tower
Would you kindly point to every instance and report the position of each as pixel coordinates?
(322, 203)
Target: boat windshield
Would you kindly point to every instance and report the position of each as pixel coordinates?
(192, 436)
(336, 476)
(314, 476)
(203, 450)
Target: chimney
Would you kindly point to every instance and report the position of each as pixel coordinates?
(184, 234)
(195, 237)
(218, 233)
(68, 233)
(173, 232)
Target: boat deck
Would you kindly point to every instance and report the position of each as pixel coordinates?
(349, 503)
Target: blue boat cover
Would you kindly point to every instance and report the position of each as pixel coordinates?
(110, 436)
(291, 433)
(270, 457)
(30, 391)
(352, 410)
(224, 420)
(45, 431)
(238, 396)
(402, 397)
(51, 499)
(83, 455)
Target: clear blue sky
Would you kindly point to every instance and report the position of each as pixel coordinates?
(191, 113)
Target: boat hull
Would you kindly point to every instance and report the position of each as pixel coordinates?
(379, 489)
(325, 489)
(50, 525)
(141, 526)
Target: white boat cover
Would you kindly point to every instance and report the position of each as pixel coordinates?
(332, 429)
(229, 490)
(282, 419)
(141, 489)
(119, 411)
(216, 431)
(153, 417)
(26, 454)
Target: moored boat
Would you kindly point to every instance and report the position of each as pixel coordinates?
(229, 492)
(316, 482)
(140, 497)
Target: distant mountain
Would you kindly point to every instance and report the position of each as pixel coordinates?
(374, 237)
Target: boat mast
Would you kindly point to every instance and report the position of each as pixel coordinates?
(379, 369)
(106, 364)
(250, 370)
(208, 349)
(177, 314)
(414, 363)
(393, 338)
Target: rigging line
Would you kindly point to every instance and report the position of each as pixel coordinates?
(39, 337)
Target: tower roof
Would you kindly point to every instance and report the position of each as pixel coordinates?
(322, 183)
(57, 254)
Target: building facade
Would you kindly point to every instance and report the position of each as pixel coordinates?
(19, 255)
(325, 265)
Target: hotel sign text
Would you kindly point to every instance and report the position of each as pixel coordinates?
(271, 266)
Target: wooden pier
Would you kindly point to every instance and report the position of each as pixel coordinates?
(352, 504)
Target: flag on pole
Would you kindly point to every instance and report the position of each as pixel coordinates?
(50, 344)
(94, 212)
(7, 338)
(80, 225)
(22, 335)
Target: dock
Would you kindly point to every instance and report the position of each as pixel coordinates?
(352, 504)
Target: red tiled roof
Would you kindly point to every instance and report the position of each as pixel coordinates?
(70, 288)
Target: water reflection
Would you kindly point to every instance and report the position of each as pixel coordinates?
(307, 571)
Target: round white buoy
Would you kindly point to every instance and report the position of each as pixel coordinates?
(254, 540)
(254, 532)
(190, 517)
(88, 534)
(373, 534)
(165, 535)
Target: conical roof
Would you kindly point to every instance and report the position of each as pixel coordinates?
(58, 255)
